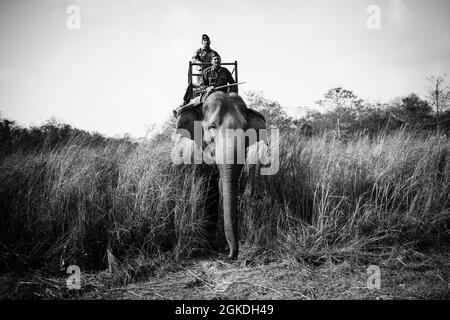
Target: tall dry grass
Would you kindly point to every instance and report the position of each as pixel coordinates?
(343, 197)
(115, 206)
(81, 205)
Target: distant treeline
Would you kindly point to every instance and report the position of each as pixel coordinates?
(409, 111)
(50, 135)
(345, 114)
(341, 111)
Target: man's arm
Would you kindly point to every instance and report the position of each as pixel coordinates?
(205, 79)
(196, 57)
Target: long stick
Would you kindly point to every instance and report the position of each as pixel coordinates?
(225, 86)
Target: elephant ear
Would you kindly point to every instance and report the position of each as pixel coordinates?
(186, 116)
(254, 119)
(257, 121)
(256, 151)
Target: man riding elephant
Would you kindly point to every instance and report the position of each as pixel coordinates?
(205, 53)
(217, 76)
(213, 77)
(202, 55)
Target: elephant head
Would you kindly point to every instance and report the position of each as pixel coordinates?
(221, 115)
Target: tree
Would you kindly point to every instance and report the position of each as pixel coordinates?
(275, 116)
(438, 93)
(341, 101)
(444, 121)
(417, 110)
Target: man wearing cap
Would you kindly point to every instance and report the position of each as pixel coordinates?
(216, 76)
(205, 53)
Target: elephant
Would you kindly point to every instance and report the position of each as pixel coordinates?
(217, 113)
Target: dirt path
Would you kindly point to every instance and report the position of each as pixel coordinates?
(217, 278)
(264, 275)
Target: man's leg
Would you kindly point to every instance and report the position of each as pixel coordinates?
(188, 94)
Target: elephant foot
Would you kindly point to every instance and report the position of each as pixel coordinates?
(233, 255)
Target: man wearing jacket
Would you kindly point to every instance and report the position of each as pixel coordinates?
(217, 76)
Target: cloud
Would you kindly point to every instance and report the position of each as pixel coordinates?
(399, 12)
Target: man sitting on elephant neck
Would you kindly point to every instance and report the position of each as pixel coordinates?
(217, 76)
(213, 76)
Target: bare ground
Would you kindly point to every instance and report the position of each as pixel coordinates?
(262, 275)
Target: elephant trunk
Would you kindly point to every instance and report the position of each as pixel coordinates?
(230, 178)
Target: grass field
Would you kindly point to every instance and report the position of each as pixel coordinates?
(383, 200)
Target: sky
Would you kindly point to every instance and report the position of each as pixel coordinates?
(125, 68)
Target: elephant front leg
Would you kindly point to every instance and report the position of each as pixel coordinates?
(212, 204)
(220, 242)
